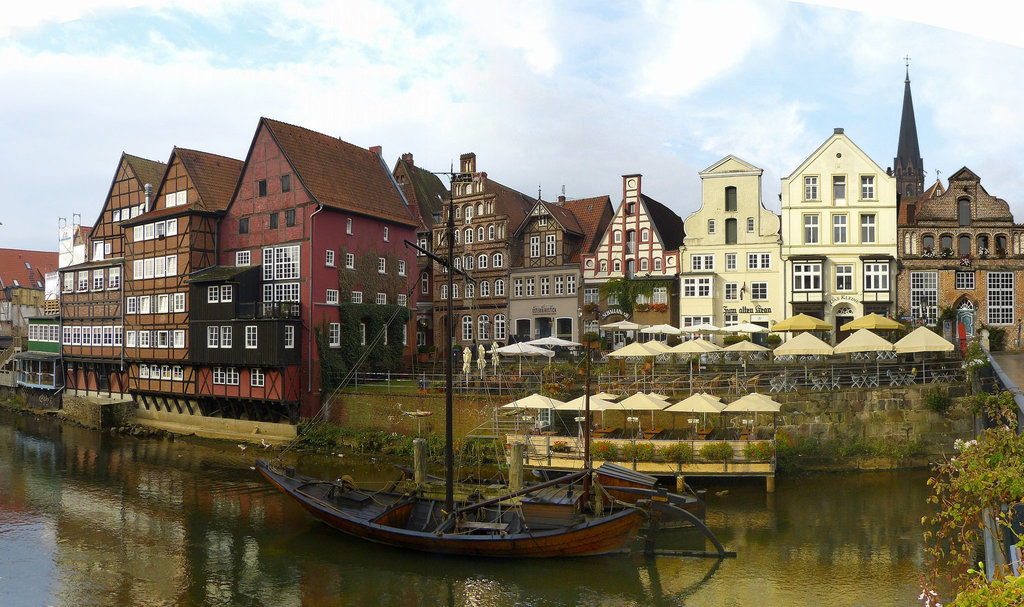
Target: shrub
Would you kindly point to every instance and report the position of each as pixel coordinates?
(937, 401)
(716, 452)
(760, 451)
(732, 339)
(604, 450)
(641, 452)
(560, 446)
(774, 340)
(320, 434)
(679, 453)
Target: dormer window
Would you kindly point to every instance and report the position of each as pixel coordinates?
(542, 222)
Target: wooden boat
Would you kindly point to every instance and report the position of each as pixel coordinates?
(546, 520)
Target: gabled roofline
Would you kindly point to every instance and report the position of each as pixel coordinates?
(839, 133)
(751, 169)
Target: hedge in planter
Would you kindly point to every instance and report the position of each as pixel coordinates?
(759, 452)
(716, 452)
(679, 453)
(604, 450)
(641, 452)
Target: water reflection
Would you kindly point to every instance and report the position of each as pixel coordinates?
(94, 519)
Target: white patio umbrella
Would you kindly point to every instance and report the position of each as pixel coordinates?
(753, 403)
(804, 343)
(467, 358)
(922, 339)
(635, 350)
(642, 402)
(622, 325)
(695, 346)
(495, 357)
(863, 341)
(533, 401)
(666, 329)
(701, 402)
(701, 328)
(746, 327)
(551, 341)
(744, 346)
(521, 349)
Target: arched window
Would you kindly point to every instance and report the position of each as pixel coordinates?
(604, 266)
(617, 265)
(480, 234)
(458, 212)
(470, 290)
(467, 328)
(630, 242)
(963, 211)
(490, 232)
(455, 291)
(469, 213)
(457, 233)
(424, 283)
(946, 241)
(928, 241)
(657, 264)
(499, 326)
(645, 235)
(643, 265)
(983, 243)
(617, 236)
(730, 199)
(499, 287)
(479, 208)
(469, 235)
(458, 263)
(481, 262)
(963, 245)
(469, 262)
(482, 325)
(498, 260)
(485, 289)
(1001, 244)
(444, 291)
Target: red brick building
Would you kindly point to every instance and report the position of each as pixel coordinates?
(326, 222)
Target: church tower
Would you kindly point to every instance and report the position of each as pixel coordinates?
(908, 165)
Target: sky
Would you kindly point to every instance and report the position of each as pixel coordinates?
(549, 95)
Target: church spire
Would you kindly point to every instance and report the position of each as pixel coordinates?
(908, 165)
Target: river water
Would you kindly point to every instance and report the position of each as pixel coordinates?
(92, 519)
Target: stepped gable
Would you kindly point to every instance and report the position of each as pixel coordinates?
(341, 175)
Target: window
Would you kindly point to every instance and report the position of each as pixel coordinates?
(711, 226)
(350, 261)
(924, 296)
(844, 278)
(329, 258)
(129, 339)
(382, 298)
(144, 304)
(289, 336)
(617, 236)
(530, 290)
(362, 334)
(807, 276)
(250, 337)
(114, 278)
(730, 261)
(867, 228)
(289, 218)
(758, 290)
(517, 288)
(334, 335)
(645, 235)
(946, 241)
(545, 286)
(730, 231)
(382, 265)
(69, 282)
(732, 291)
(455, 291)
(590, 295)
(811, 188)
(231, 376)
(176, 373)
(83, 281)
(481, 262)
(497, 260)
(177, 337)
(876, 277)
(348, 226)
(261, 187)
(604, 266)
(810, 229)
(218, 375)
(243, 258)
(357, 297)
(144, 374)
(243, 225)
(468, 235)
(570, 284)
(490, 232)
(256, 378)
(480, 234)
(481, 327)
(928, 242)
(444, 291)
(130, 305)
(750, 224)
(286, 183)
(332, 296)
(499, 288)
(161, 339)
(212, 337)
(163, 303)
(702, 262)
(535, 246)
(867, 187)
(499, 326)
(402, 299)
(696, 287)
(759, 261)
(839, 229)
(730, 199)
(964, 281)
(838, 188)
(485, 289)
(963, 245)
(425, 283)
(467, 328)
(212, 294)
(273, 221)
(549, 245)
(963, 211)
(617, 265)
(1000, 298)
(401, 267)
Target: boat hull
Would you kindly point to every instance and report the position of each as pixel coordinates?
(604, 535)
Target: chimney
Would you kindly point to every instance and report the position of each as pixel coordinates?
(149, 193)
(467, 163)
(376, 150)
(561, 199)
(838, 130)
(407, 157)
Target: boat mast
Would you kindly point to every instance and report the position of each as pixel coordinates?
(586, 415)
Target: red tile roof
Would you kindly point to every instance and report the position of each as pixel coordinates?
(594, 215)
(340, 175)
(213, 176)
(146, 171)
(26, 267)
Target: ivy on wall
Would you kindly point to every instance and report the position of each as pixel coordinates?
(628, 290)
(336, 362)
(366, 277)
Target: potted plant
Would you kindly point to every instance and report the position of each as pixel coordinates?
(983, 252)
(946, 253)
(965, 259)
(1000, 252)
(560, 446)
(928, 252)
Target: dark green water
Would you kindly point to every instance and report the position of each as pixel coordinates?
(91, 519)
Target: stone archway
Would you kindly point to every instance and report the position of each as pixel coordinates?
(843, 314)
(966, 314)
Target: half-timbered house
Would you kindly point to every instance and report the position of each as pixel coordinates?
(162, 247)
(91, 310)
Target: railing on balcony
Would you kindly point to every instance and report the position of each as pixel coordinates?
(280, 309)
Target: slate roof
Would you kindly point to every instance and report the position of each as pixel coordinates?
(340, 175)
(219, 273)
(668, 224)
(13, 267)
(213, 176)
(424, 188)
(510, 202)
